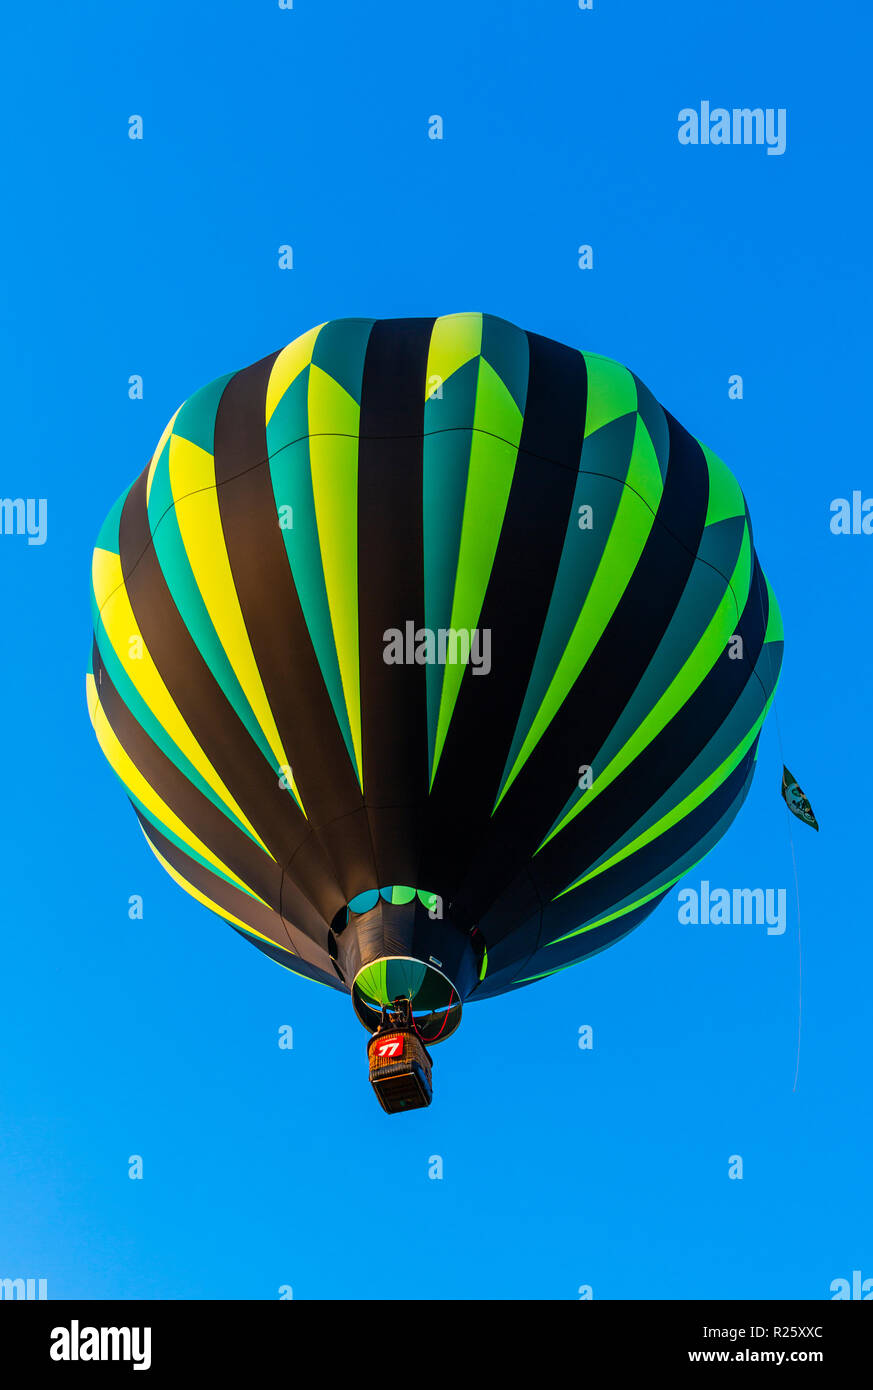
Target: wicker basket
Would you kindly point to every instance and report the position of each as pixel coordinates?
(400, 1070)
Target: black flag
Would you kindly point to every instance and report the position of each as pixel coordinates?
(796, 800)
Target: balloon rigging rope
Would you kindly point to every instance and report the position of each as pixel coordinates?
(797, 903)
(796, 880)
(799, 961)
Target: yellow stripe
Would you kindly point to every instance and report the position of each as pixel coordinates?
(192, 483)
(292, 360)
(214, 907)
(119, 624)
(157, 454)
(454, 341)
(202, 898)
(120, 761)
(334, 421)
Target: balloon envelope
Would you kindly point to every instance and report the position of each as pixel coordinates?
(431, 654)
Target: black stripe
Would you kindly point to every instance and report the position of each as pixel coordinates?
(516, 603)
(312, 962)
(615, 667)
(300, 967)
(572, 952)
(600, 895)
(254, 914)
(281, 644)
(590, 834)
(211, 826)
(203, 705)
(391, 593)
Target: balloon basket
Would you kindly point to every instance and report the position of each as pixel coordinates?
(400, 1070)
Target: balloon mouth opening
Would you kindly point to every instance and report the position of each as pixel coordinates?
(396, 895)
(436, 1004)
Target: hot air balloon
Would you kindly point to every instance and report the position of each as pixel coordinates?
(431, 653)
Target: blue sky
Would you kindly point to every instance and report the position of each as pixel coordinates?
(562, 1167)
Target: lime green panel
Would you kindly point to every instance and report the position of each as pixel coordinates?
(401, 894)
(692, 674)
(725, 494)
(387, 980)
(491, 468)
(627, 539)
(612, 391)
(455, 340)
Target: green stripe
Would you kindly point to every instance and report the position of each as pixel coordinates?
(580, 556)
(139, 710)
(627, 539)
(683, 809)
(291, 477)
(704, 591)
(335, 498)
(185, 847)
(644, 892)
(726, 737)
(612, 392)
(725, 494)
(692, 673)
(188, 600)
(445, 471)
(492, 468)
(775, 630)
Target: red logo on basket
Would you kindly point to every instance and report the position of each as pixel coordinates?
(389, 1047)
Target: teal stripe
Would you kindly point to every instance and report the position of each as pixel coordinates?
(700, 598)
(173, 560)
(135, 704)
(340, 350)
(185, 848)
(505, 348)
(580, 557)
(196, 418)
(291, 476)
(107, 538)
(446, 465)
(655, 421)
(664, 878)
